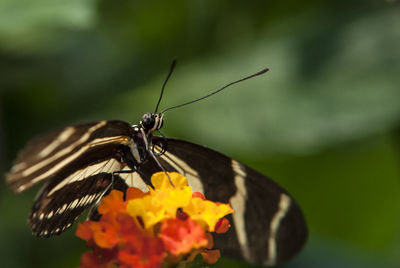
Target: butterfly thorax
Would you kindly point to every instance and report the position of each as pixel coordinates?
(143, 132)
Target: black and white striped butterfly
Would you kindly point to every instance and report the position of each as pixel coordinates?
(81, 163)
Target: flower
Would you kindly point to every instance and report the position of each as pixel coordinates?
(164, 226)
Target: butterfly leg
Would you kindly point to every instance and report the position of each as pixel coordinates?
(160, 166)
(162, 144)
(147, 141)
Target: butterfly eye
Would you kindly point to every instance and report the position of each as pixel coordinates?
(148, 121)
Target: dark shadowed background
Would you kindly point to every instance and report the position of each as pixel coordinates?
(324, 122)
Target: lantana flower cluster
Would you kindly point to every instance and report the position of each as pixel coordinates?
(165, 226)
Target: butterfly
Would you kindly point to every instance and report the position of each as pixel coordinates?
(81, 163)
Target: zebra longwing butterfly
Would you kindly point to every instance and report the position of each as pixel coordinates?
(81, 163)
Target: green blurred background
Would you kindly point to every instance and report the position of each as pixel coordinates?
(324, 122)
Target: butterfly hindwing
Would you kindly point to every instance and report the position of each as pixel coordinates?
(74, 188)
(53, 212)
(268, 226)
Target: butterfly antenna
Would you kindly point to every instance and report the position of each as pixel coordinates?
(215, 92)
(171, 69)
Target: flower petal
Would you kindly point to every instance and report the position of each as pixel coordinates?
(148, 253)
(207, 212)
(133, 193)
(112, 203)
(222, 226)
(180, 237)
(84, 231)
(161, 181)
(145, 208)
(211, 256)
(199, 195)
(104, 234)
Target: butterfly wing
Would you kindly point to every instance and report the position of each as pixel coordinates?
(267, 227)
(46, 155)
(55, 210)
(77, 162)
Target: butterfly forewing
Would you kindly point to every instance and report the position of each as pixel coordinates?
(45, 156)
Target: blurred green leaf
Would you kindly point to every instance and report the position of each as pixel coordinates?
(354, 96)
(33, 25)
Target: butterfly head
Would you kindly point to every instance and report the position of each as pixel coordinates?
(151, 122)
